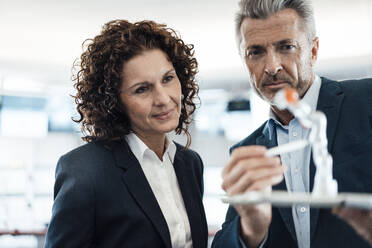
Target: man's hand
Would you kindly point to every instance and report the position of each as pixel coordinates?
(360, 220)
(249, 170)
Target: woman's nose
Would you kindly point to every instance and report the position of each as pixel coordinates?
(161, 96)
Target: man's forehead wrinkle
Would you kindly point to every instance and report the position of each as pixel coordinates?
(257, 28)
(261, 33)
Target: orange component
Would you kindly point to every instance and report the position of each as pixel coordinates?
(291, 95)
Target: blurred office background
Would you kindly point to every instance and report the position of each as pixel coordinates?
(39, 40)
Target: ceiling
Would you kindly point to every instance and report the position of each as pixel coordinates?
(40, 39)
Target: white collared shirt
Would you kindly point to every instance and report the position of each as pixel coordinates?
(163, 182)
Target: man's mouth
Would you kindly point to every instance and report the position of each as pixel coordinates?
(276, 84)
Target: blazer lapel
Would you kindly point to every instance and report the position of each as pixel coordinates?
(286, 213)
(329, 102)
(138, 186)
(191, 197)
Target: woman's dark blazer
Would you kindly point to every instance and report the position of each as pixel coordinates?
(102, 199)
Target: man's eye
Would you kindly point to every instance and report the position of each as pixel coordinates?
(287, 47)
(253, 53)
(141, 89)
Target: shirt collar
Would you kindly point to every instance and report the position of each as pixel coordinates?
(139, 148)
(170, 148)
(310, 98)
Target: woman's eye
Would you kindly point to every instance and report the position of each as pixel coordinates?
(168, 78)
(141, 89)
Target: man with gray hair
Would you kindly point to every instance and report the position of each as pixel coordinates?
(278, 42)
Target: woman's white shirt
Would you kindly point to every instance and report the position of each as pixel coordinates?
(164, 184)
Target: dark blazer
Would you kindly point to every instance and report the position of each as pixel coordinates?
(348, 107)
(102, 199)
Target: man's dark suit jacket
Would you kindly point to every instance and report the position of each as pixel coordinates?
(348, 107)
(102, 199)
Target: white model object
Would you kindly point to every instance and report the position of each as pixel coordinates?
(325, 191)
(324, 184)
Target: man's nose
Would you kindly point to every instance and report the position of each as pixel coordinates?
(161, 96)
(273, 64)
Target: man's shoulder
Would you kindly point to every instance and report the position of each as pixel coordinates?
(363, 85)
(359, 86)
(251, 139)
(355, 91)
(362, 81)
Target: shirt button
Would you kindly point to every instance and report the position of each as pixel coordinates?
(296, 170)
(303, 210)
(294, 134)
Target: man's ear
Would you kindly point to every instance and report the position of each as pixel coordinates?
(314, 50)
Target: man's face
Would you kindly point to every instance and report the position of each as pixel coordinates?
(278, 53)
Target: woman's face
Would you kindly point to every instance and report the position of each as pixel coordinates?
(151, 93)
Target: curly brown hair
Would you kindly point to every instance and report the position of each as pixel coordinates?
(99, 78)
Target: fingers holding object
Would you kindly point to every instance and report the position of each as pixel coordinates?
(257, 179)
(247, 172)
(244, 152)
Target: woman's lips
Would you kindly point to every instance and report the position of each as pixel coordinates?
(163, 115)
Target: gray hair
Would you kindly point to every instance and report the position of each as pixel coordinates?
(261, 9)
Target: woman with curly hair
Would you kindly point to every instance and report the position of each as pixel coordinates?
(130, 185)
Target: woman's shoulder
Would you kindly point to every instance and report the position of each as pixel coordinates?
(92, 153)
(86, 162)
(91, 148)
